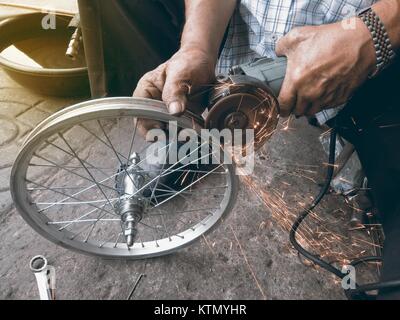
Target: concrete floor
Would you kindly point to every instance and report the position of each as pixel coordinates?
(247, 257)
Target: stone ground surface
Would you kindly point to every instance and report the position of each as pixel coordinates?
(247, 257)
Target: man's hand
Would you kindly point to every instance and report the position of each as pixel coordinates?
(326, 64)
(175, 79)
(194, 64)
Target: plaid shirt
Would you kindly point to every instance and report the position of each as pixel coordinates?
(257, 25)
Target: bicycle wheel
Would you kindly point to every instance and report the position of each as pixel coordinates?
(83, 181)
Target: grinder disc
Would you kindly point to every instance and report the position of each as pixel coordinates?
(253, 109)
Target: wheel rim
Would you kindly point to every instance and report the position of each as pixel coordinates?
(66, 191)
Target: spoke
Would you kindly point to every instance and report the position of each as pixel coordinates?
(90, 233)
(202, 171)
(135, 120)
(116, 154)
(101, 140)
(72, 172)
(185, 224)
(91, 229)
(64, 194)
(185, 174)
(156, 229)
(167, 172)
(178, 170)
(155, 198)
(77, 220)
(158, 179)
(150, 227)
(72, 203)
(141, 242)
(166, 231)
(75, 194)
(93, 223)
(82, 221)
(212, 188)
(167, 192)
(116, 241)
(55, 188)
(68, 167)
(184, 211)
(70, 154)
(188, 164)
(86, 169)
(165, 228)
(142, 161)
(159, 204)
(171, 192)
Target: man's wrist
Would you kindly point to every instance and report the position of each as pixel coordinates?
(196, 48)
(206, 23)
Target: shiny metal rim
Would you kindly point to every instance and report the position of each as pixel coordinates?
(107, 110)
(122, 101)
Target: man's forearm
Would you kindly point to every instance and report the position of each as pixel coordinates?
(206, 22)
(389, 12)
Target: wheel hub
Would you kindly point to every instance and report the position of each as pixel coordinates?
(131, 205)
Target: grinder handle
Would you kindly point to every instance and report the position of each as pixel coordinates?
(268, 70)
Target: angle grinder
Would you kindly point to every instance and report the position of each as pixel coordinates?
(246, 98)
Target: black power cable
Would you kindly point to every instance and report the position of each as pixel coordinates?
(361, 291)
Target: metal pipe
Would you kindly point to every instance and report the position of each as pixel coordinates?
(74, 44)
(76, 39)
(45, 277)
